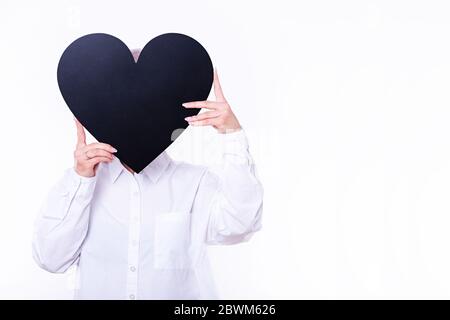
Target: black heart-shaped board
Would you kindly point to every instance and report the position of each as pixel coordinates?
(134, 106)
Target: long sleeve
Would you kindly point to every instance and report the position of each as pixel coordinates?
(235, 195)
(62, 222)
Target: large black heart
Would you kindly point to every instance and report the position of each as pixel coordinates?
(134, 106)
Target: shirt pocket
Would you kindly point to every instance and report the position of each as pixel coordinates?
(172, 240)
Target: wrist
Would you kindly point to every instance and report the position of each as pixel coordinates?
(230, 130)
(84, 176)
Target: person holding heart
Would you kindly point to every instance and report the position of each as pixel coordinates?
(145, 235)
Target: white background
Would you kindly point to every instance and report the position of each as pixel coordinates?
(346, 105)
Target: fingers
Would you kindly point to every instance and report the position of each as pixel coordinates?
(81, 135)
(212, 105)
(203, 116)
(97, 160)
(220, 98)
(98, 153)
(218, 88)
(99, 145)
(87, 157)
(205, 122)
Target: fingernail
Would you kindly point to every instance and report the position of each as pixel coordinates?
(114, 149)
(187, 118)
(184, 104)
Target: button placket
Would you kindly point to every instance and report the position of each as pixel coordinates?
(133, 239)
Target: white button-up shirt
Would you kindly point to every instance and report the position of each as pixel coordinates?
(144, 236)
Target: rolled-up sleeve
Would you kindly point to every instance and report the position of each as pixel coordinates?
(62, 222)
(235, 201)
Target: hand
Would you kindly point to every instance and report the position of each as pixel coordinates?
(87, 157)
(220, 115)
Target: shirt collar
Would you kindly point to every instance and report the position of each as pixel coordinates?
(153, 170)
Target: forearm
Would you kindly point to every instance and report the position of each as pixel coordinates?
(62, 223)
(236, 207)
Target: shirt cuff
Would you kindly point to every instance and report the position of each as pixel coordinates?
(81, 179)
(234, 147)
(238, 135)
(231, 140)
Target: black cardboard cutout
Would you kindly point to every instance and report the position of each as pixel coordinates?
(135, 107)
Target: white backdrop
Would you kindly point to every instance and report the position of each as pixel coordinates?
(347, 109)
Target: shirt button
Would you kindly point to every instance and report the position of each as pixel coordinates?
(135, 193)
(134, 243)
(133, 268)
(132, 296)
